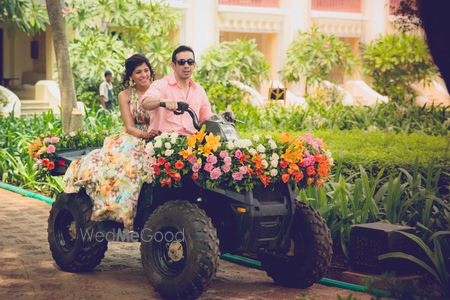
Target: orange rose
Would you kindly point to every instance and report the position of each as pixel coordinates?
(51, 165)
(285, 177)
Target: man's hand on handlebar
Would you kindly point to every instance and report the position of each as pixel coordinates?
(169, 104)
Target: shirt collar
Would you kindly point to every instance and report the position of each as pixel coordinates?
(173, 81)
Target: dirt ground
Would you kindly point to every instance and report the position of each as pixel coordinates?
(27, 270)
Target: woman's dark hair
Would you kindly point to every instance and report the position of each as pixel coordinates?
(131, 64)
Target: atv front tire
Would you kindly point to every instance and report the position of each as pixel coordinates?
(179, 250)
(310, 253)
(72, 234)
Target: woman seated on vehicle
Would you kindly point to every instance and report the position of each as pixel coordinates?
(113, 175)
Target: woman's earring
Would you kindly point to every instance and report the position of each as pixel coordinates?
(132, 84)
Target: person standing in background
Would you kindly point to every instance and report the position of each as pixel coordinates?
(106, 91)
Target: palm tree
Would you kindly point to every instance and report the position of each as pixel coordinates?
(65, 77)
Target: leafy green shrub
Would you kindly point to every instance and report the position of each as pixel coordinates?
(314, 54)
(394, 62)
(221, 96)
(126, 27)
(430, 120)
(237, 60)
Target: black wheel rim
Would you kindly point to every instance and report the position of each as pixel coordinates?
(163, 240)
(64, 223)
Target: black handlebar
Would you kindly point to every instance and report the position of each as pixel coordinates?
(181, 109)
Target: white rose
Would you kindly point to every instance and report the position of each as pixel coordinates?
(256, 137)
(275, 156)
(273, 172)
(246, 143)
(272, 144)
(173, 141)
(164, 135)
(263, 156)
(261, 148)
(168, 152)
(167, 145)
(174, 135)
(158, 144)
(252, 151)
(265, 163)
(274, 163)
(230, 145)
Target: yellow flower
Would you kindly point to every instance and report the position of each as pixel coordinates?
(201, 134)
(212, 141)
(285, 138)
(186, 153)
(191, 140)
(34, 146)
(205, 149)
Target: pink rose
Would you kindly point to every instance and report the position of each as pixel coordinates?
(208, 167)
(238, 154)
(226, 168)
(237, 176)
(54, 140)
(212, 159)
(227, 160)
(51, 149)
(46, 140)
(192, 159)
(223, 154)
(196, 167)
(215, 173)
(243, 170)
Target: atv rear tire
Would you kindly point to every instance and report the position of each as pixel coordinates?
(71, 234)
(179, 250)
(310, 254)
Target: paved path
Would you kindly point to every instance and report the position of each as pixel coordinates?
(27, 270)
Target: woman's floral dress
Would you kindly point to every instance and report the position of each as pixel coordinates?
(113, 175)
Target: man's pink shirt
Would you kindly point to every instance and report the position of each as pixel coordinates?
(165, 120)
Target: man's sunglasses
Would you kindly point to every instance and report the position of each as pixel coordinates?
(182, 62)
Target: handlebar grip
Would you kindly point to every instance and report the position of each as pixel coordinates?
(183, 106)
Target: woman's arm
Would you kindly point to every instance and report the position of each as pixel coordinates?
(127, 118)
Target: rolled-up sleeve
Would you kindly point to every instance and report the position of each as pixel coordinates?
(154, 92)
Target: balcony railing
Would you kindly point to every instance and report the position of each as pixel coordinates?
(253, 3)
(352, 6)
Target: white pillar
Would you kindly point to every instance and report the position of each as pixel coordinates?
(201, 29)
(377, 14)
(298, 17)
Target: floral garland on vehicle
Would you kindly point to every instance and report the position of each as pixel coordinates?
(44, 149)
(242, 164)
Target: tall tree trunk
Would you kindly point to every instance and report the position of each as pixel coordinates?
(67, 87)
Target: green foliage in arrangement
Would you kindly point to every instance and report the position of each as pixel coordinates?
(112, 30)
(314, 54)
(237, 60)
(395, 62)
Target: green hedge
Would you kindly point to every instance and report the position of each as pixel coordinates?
(378, 149)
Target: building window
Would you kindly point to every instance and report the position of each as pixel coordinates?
(254, 3)
(352, 6)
